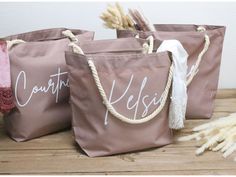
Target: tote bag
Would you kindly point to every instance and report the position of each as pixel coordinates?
(119, 96)
(204, 45)
(39, 82)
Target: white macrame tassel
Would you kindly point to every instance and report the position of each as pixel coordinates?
(178, 103)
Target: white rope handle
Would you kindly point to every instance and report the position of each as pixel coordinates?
(199, 59)
(148, 48)
(13, 42)
(113, 111)
(70, 35)
(67, 33)
(76, 48)
(151, 44)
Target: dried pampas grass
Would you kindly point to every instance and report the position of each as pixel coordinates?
(115, 18)
(218, 135)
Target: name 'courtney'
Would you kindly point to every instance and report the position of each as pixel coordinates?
(54, 85)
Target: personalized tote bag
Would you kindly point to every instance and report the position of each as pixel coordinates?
(204, 45)
(119, 96)
(40, 82)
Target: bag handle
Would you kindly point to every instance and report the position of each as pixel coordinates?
(13, 42)
(109, 106)
(70, 35)
(67, 33)
(194, 69)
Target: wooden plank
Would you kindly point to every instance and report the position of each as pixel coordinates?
(226, 93)
(58, 154)
(159, 172)
(225, 105)
(64, 140)
(72, 161)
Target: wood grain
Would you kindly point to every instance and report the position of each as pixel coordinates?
(58, 154)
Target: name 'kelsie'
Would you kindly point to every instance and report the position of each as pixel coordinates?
(142, 101)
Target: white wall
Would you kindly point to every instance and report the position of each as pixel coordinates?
(22, 17)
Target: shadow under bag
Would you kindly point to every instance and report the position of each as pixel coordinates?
(204, 45)
(40, 82)
(119, 96)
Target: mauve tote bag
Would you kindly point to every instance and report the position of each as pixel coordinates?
(204, 45)
(40, 82)
(119, 96)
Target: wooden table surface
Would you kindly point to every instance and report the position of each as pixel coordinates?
(58, 154)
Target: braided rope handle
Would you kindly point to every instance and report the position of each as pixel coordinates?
(76, 48)
(70, 35)
(13, 42)
(113, 111)
(148, 47)
(67, 33)
(199, 59)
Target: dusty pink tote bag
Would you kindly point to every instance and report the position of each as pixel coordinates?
(40, 82)
(204, 45)
(119, 96)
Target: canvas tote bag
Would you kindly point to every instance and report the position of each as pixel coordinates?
(40, 82)
(204, 45)
(119, 96)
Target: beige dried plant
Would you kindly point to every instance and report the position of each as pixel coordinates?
(218, 135)
(115, 18)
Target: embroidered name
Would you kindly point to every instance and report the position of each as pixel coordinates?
(143, 101)
(54, 85)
